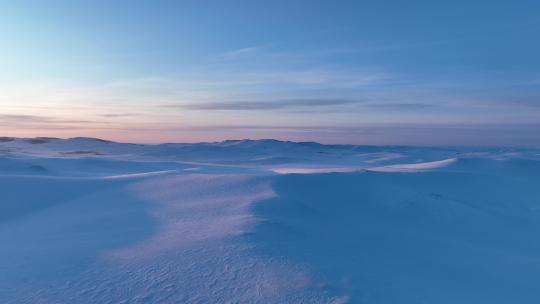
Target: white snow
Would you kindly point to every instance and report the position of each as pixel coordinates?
(287, 170)
(414, 167)
(90, 221)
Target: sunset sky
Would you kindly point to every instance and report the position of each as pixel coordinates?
(363, 72)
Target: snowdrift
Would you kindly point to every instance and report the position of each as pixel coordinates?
(431, 237)
(85, 220)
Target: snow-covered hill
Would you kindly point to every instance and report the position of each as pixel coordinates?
(84, 220)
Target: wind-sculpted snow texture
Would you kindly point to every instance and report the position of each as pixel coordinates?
(90, 221)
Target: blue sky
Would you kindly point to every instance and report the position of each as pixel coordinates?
(367, 72)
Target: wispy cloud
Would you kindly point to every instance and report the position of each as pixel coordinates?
(269, 78)
(400, 106)
(118, 115)
(246, 50)
(532, 102)
(266, 105)
(16, 118)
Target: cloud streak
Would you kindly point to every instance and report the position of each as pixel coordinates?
(267, 105)
(400, 106)
(15, 118)
(245, 51)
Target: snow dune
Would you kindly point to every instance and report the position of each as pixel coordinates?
(428, 237)
(90, 221)
(55, 229)
(304, 170)
(415, 167)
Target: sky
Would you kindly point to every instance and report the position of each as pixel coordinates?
(361, 72)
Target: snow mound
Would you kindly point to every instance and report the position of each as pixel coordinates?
(415, 167)
(285, 170)
(442, 236)
(84, 220)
